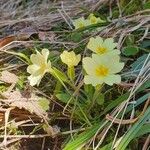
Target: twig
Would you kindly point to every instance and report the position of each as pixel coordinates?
(145, 34)
(26, 136)
(65, 19)
(146, 144)
(43, 143)
(128, 121)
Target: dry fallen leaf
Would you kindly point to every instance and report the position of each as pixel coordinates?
(46, 36)
(6, 40)
(22, 35)
(15, 99)
(8, 77)
(31, 104)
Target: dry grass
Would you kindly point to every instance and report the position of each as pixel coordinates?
(20, 19)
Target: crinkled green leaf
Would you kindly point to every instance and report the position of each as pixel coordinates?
(130, 50)
(130, 39)
(59, 74)
(100, 99)
(44, 103)
(63, 97)
(76, 36)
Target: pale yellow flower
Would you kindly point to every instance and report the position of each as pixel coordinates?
(102, 69)
(94, 20)
(100, 46)
(81, 22)
(70, 58)
(40, 65)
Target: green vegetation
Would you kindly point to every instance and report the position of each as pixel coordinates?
(75, 76)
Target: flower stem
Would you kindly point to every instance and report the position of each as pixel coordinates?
(57, 87)
(96, 94)
(71, 73)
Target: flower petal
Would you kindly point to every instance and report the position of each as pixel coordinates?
(94, 20)
(111, 79)
(34, 80)
(49, 66)
(94, 43)
(78, 58)
(32, 69)
(106, 59)
(116, 67)
(114, 52)
(89, 65)
(70, 58)
(37, 58)
(45, 53)
(39, 67)
(109, 44)
(80, 23)
(89, 79)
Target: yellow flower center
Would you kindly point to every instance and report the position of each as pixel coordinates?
(101, 50)
(102, 71)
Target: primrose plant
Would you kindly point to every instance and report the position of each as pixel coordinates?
(101, 68)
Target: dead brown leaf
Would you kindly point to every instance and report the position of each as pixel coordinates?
(15, 99)
(46, 36)
(22, 35)
(6, 40)
(8, 77)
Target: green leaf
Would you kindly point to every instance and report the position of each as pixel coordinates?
(138, 102)
(130, 40)
(132, 132)
(64, 97)
(137, 65)
(146, 5)
(100, 99)
(44, 103)
(58, 87)
(115, 102)
(60, 74)
(145, 44)
(144, 86)
(87, 135)
(76, 36)
(24, 57)
(21, 55)
(144, 130)
(89, 91)
(130, 50)
(82, 138)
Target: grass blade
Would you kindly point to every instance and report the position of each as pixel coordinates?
(133, 131)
